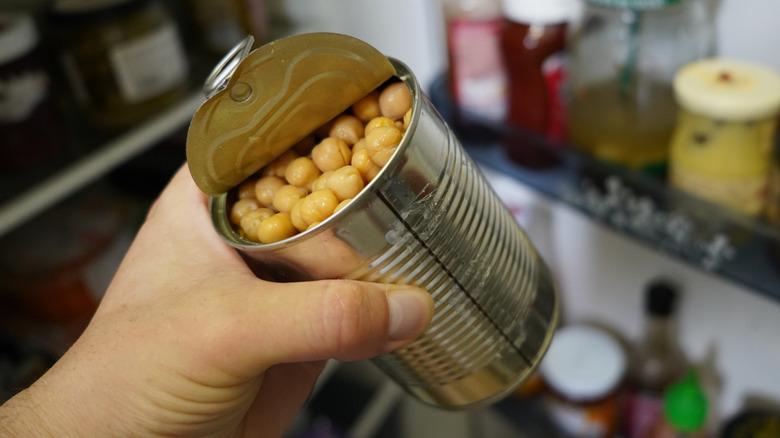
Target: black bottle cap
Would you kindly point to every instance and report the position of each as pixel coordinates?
(660, 298)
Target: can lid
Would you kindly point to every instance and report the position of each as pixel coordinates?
(583, 363)
(728, 89)
(18, 35)
(644, 5)
(538, 12)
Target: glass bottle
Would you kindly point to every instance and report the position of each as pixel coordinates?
(623, 60)
(655, 362)
(476, 72)
(533, 39)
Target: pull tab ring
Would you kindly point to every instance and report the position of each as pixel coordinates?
(220, 75)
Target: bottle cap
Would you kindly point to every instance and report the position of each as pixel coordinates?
(660, 298)
(728, 90)
(538, 11)
(583, 363)
(685, 404)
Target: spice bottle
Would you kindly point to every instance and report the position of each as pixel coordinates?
(124, 59)
(684, 412)
(31, 128)
(583, 369)
(622, 63)
(476, 72)
(533, 39)
(655, 362)
(722, 148)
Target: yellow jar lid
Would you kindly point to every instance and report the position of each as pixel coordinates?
(729, 90)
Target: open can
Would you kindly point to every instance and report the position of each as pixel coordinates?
(430, 219)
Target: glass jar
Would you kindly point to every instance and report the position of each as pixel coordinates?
(723, 146)
(31, 127)
(623, 61)
(124, 59)
(584, 369)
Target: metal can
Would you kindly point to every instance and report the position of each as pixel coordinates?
(430, 219)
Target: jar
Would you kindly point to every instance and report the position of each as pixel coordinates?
(31, 128)
(476, 71)
(583, 369)
(723, 145)
(224, 23)
(124, 59)
(623, 61)
(533, 40)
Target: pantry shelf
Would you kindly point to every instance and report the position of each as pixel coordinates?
(28, 198)
(738, 248)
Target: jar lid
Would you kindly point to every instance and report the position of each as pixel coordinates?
(17, 35)
(728, 89)
(538, 12)
(583, 363)
(644, 5)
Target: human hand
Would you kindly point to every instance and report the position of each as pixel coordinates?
(188, 342)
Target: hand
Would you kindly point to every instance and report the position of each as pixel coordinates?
(188, 342)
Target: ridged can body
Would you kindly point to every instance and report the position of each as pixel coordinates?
(430, 219)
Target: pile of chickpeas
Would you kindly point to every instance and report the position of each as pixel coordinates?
(323, 172)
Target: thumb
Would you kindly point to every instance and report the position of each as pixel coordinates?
(333, 319)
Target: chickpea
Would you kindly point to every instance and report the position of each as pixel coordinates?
(275, 228)
(395, 101)
(279, 165)
(331, 153)
(367, 108)
(320, 182)
(318, 206)
(247, 189)
(295, 216)
(365, 165)
(304, 146)
(252, 219)
(265, 188)
(407, 119)
(348, 128)
(377, 122)
(361, 144)
(345, 183)
(381, 143)
(242, 207)
(287, 196)
(341, 205)
(312, 225)
(302, 172)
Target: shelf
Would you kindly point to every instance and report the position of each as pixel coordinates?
(643, 207)
(43, 193)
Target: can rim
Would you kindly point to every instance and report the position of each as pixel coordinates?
(218, 204)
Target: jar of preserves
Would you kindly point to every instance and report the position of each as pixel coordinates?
(723, 145)
(584, 370)
(623, 60)
(124, 59)
(31, 128)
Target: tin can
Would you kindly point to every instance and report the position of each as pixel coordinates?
(430, 219)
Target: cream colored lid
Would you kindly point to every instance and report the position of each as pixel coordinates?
(728, 89)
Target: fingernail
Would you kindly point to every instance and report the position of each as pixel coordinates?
(410, 313)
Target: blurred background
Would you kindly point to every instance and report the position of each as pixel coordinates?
(667, 242)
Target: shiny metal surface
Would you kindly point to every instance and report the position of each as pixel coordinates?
(431, 219)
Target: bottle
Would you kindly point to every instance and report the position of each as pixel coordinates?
(622, 64)
(584, 370)
(533, 39)
(655, 362)
(685, 410)
(476, 72)
(224, 23)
